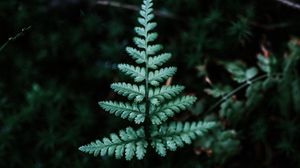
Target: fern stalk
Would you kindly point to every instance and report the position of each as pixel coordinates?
(147, 101)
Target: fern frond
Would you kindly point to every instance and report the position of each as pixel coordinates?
(128, 143)
(125, 110)
(138, 56)
(164, 92)
(161, 114)
(157, 76)
(176, 134)
(130, 90)
(137, 73)
(159, 60)
(151, 103)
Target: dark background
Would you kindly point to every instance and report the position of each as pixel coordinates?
(52, 77)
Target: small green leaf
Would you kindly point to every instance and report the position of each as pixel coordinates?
(159, 148)
(141, 149)
(137, 73)
(162, 113)
(159, 60)
(124, 110)
(152, 37)
(155, 77)
(140, 31)
(141, 43)
(150, 26)
(250, 73)
(153, 49)
(130, 90)
(129, 151)
(139, 56)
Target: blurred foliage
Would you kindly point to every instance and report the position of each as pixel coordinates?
(265, 107)
(52, 77)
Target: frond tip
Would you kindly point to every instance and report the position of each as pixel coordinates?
(128, 143)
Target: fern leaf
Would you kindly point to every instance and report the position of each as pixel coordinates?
(153, 49)
(137, 73)
(140, 31)
(164, 92)
(138, 56)
(128, 143)
(159, 60)
(142, 21)
(161, 114)
(150, 26)
(177, 134)
(151, 37)
(131, 91)
(141, 43)
(125, 110)
(160, 75)
(159, 147)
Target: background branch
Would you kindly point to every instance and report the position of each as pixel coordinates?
(290, 4)
(15, 37)
(134, 8)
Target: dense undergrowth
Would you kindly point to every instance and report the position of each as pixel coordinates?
(240, 58)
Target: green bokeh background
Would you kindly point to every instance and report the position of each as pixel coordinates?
(52, 77)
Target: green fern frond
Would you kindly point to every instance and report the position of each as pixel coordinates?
(128, 143)
(161, 114)
(130, 90)
(165, 92)
(152, 104)
(125, 110)
(137, 73)
(160, 75)
(176, 134)
(159, 60)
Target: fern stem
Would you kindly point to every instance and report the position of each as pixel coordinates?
(147, 100)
